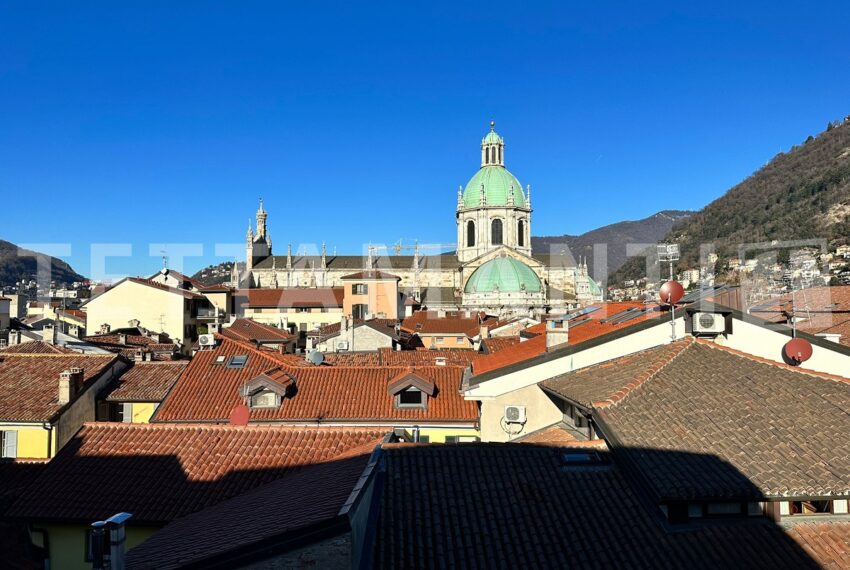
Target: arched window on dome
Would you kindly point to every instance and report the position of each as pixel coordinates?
(470, 233)
(487, 155)
(520, 232)
(496, 232)
(500, 155)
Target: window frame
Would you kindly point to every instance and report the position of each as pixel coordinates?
(235, 364)
(493, 233)
(423, 399)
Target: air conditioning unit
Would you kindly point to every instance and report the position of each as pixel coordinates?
(709, 323)
(515, 414)
(206, 340)
(342, 345)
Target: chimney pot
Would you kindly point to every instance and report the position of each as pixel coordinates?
(557, 333)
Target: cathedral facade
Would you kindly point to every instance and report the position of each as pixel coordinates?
(492, 268)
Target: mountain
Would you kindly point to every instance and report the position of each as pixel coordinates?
(616, 236)
(798, 195)
(17, 263)
(215, 274)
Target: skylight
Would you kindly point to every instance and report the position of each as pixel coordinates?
(237, 361)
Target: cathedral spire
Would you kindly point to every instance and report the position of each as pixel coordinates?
(289, 256)
(324, 256)
(262, 216)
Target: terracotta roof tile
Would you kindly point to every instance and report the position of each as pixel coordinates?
(430, 322)
(775, 424)
(519, 503)
(252, 331)
(208, 391)
(162, 472)
(307, 497)
(295, 297)
(145, 382)
(427, 357)
(497, 343)
(36, 347)
(29, 383)
(582, 329)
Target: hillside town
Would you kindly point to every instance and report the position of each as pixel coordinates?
(430, 410)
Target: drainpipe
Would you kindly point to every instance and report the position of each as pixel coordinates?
(415, 434)
(49, 427)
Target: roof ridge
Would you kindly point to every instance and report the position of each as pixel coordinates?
(221, 427)
(646, 375)
(781, 365)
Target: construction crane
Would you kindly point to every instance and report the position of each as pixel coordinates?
(417, 247)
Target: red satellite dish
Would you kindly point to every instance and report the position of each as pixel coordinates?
(239, 415)
(798, 350)
(671, 292)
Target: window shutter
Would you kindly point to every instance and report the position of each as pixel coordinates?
(10, 444)
(127, 413)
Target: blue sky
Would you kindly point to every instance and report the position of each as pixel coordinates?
(163, 122)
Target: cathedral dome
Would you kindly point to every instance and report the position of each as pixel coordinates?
(497, 181)
(503, 274)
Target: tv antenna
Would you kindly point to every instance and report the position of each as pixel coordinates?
(164, 258)
(672, 291)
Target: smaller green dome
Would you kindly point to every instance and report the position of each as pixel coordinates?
(503, 274)
(492, 137)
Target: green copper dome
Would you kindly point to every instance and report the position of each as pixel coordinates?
(497, 183)
(503, 274)
(492, 138)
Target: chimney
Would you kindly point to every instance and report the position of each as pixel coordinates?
(441, 314)
(122, 338)
(557, 333)
(139, 355)
(484, 332)
(66, 387)
(108, 540)
(343, 324)
(14, 338)
(105, 328)
(214, 328)
(74, 331)
(48, 333)
(134, 323)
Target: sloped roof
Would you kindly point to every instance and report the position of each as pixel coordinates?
(371, 274)
(36, 347)
(162, 472)
(777, 425)
(209, 391)
(308, 497)
(583, 328)
(29, 383)
(296, 297)
(423, 357)
(518, 502)
(252, 331)
(453, 323)
(145, 382)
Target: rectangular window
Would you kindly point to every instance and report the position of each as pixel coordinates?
(411, 398)
(237, 361)
(359, 310)
(451, 439)
(459, 340)
(723, 509)
(804, 508)
(9, 444)
(359, 289)
(439, 340)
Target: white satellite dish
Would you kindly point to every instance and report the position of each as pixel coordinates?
(315, 357)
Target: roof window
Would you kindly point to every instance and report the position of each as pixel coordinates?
(237, 361)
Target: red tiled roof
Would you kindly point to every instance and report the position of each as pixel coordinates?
(519, 503)
(371, 274)
(384, 326)
(497, 343)
(583, 329)
(73, 313)
(309, 497)
(36, 347)
(209, 391)
(162, 472)
(333, 359)
(29, 383)
(295, 297)
(252, 331)
(145, 382)
(426, 357)
(429, 322)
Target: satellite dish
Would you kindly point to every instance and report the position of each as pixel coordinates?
(315, 357)
(798, 350)
(239, 415)
(671, 292)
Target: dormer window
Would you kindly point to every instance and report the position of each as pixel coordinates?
(269, 389)
(411, 398)
(411, 390)
(265, 399)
